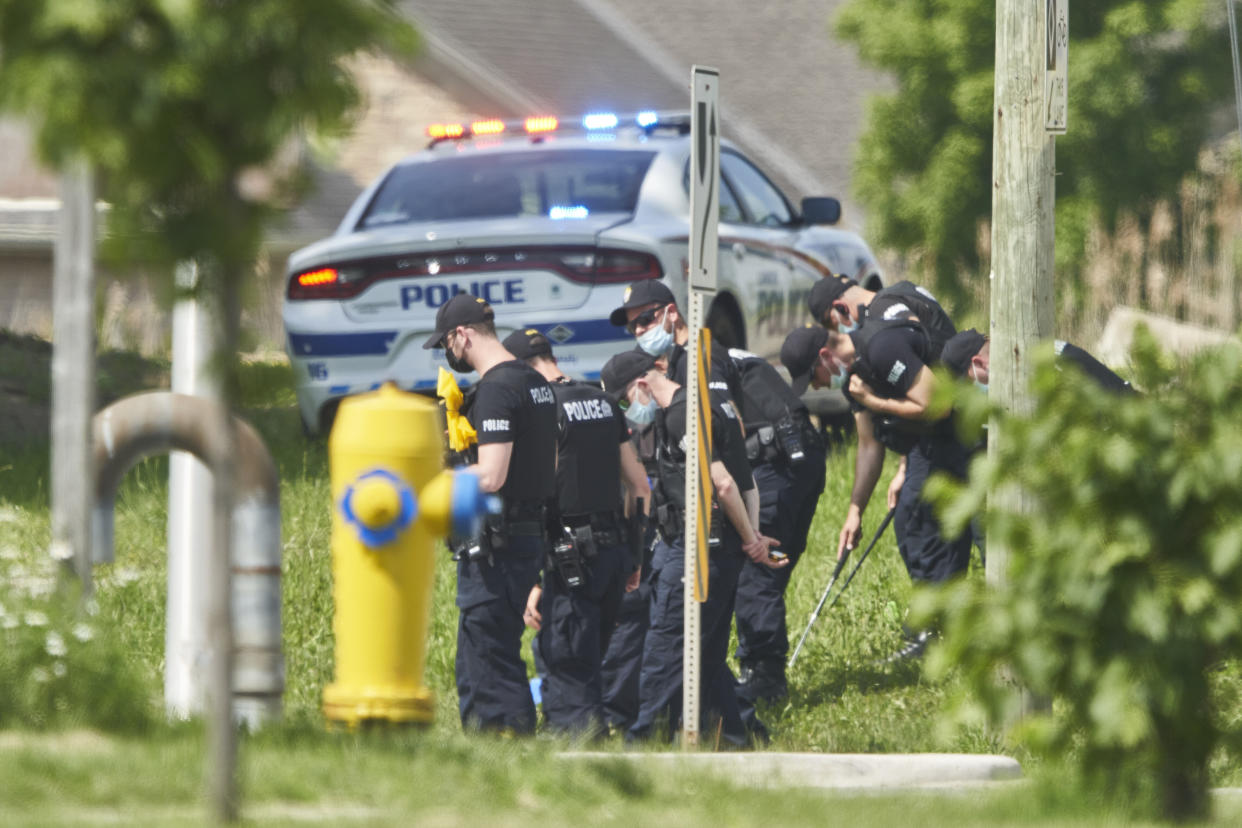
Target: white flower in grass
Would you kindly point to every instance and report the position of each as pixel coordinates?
(8, 622)
(83, 632)
(34, 618)
(41, 675)
(55, 645)
(59, 669)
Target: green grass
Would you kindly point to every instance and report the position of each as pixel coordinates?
(839, 700)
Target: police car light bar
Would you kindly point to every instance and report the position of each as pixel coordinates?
(596, 121)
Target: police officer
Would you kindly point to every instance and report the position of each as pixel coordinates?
(841, 304)
(884, 368)
(968, 354)
(650, 313)
(514, 414)
(649, 395)
(591, 561)
(787, 457)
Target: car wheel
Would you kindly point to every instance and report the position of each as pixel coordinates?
(725, 323)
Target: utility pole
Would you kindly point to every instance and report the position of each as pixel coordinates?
(1029, 110)
(73, 371)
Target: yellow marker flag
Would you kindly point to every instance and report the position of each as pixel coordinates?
(461, 435)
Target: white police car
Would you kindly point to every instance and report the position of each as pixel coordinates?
(548, 223)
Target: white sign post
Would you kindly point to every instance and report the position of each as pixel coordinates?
(1056, 65)
(704, 220)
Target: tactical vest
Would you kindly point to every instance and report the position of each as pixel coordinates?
(588, 472)
(937, 325)
(892, 432)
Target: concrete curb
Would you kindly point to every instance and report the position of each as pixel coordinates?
(831, 770)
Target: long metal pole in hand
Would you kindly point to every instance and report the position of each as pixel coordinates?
(836, 572)
(704, 211)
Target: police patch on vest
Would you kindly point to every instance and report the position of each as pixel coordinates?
(899, 368)
(495, 425)
(578, 410)
(542, 395)
(895, 311)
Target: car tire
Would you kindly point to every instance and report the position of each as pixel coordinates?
(725, 323)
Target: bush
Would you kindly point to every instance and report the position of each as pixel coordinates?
(1123, 579)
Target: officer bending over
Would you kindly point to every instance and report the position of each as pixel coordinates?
(787, 458)
(514, 414)
(649, 395)
(841, 304)
(591, 563)
(968, 353)
(884, 369)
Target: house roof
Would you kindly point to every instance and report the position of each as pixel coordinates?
(791, 95)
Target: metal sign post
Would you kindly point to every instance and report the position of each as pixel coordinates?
(1056, 65)
(704, 219)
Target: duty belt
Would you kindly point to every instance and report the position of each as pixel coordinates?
(605, 527)
(524, 517)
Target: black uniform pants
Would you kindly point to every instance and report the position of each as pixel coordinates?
(493, 692)
(929, 556)
(623, 659)
(660, 681)
(788, 497)
(575, 629)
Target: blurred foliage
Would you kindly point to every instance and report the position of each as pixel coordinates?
(180, 103)
(1123, 578)
(59, 667)
(192, 113)
(1144, 77)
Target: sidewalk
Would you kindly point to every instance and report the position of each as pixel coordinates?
(833, 770)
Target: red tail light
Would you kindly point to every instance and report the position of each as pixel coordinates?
(618, 266)
(327, 283)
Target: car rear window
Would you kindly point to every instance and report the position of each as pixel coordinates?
(560, 183)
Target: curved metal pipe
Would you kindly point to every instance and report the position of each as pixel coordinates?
(158, 422)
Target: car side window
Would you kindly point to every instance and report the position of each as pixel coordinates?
(730, 210)
(762, 202)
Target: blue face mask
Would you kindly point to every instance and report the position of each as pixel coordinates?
(655, 340)
(642, 414)
(849, 325)
(982, 386)
(838, 380)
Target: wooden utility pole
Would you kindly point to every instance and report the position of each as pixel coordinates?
(1023, 196)
(73, 371)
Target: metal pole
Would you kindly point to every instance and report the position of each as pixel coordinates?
(73, 371)
(189, 511)
(704, 235)
(1023, 195)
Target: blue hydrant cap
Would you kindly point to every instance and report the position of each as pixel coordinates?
(469, 503)
(376, 536)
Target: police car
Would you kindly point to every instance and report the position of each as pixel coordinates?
(549, 222)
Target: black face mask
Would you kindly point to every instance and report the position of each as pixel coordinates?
(457, 363)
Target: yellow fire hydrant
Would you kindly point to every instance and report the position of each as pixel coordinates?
(392, 500)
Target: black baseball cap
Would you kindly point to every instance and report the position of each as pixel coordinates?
(638, 294)
(528, 343)
(623, 369)
(462, 309)
(800, 352)
(826, 291)
(960, 348)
